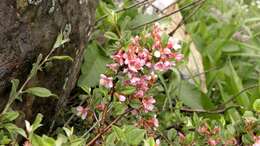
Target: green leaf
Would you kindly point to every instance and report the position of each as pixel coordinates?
(171, 134)
(69, 132)
(149, 142)
(8, 117)
(60, 41)
(233, 113)
(94, 64)
(165, 38)
(141, 19)
(256, 105)
(125, 22)
(128, 90)
(13, 93)
(236, 86)
(119, 108)
(48, 141)
(193, 97)
(36, 67)
(111, 35)
(132, 131)
(37, 122)
(37, 140)
(39, 91)
(13, 129)
(135, 103)
(65, 58)
(61, 139)
(119, 133)
(110, 139)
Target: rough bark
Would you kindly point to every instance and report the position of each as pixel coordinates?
(30, 27)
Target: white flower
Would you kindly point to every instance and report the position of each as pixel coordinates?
(28, 126)
(157, 54)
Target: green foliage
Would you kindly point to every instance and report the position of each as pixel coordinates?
(94, 65)
(193, 97)
(128, 135)
(8, 130)
(256, 105)
(39, 91)
(65, 58)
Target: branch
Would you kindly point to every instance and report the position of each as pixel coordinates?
(108, 127)
(193, 4)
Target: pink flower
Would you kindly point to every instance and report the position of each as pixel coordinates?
(122, 98)
(113, 66)
(118, 57)
(135, 65)
(181, 136)
(148, 103)
(166, 51)
(163, 66)
(156, 32)
(212, 142)
(101, 106)
(148, 64)
(157, 45)
(155, 121)
(178, 57)
(257, 141)
(82, 112)
(134, 81)
(139, 93)
(170, 43)
(27, 143)
(106, 81)
(144, 55)
(173, 43)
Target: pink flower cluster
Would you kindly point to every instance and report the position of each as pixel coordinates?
(138, 65)
(257, 141)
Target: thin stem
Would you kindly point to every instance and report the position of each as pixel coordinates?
(108, 127)
(166, 91)
(236, 95)
(90, 129)
(167, 15)
(218, 111)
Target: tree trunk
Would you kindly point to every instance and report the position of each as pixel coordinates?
(30, 27)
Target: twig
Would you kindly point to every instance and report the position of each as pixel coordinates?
(186, 18)
(108, 127)
(167, 15)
